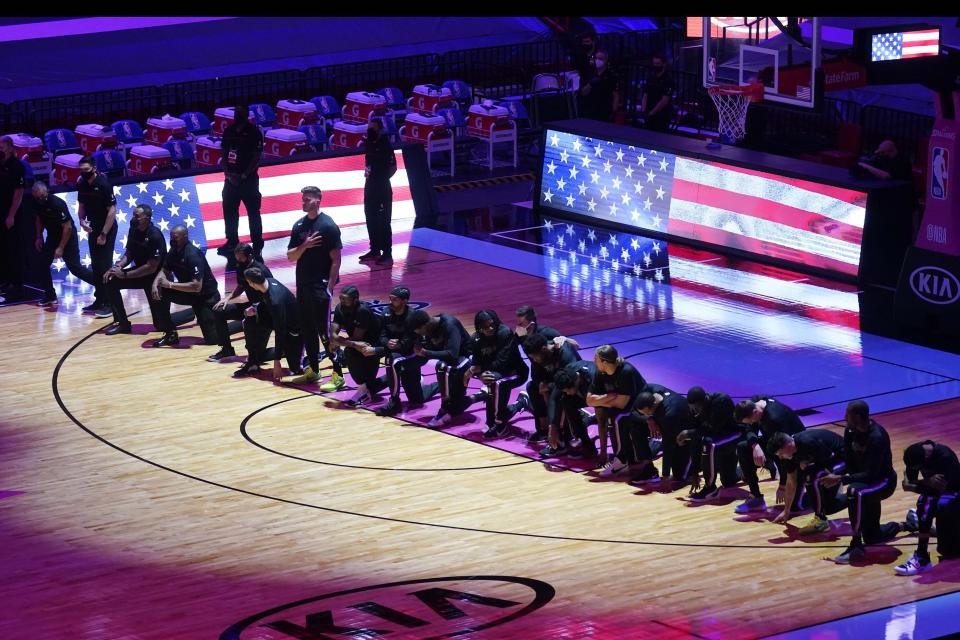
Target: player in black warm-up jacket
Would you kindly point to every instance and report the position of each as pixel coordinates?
(869, 477)
(668, 415)
(715, 435)
(573, 383)
(445, 340)
(806, 458)
(541, 398)
(762, 416)
(934, 472)
(496, 361)
(403, 365)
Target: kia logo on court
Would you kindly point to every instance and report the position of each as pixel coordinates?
(935, 285)
(430, 608)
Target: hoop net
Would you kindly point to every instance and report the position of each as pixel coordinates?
(732, 102)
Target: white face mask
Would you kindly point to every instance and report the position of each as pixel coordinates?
(520, 331)
(600, 64)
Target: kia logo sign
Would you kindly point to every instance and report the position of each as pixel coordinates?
(935, 285)
(430, 608)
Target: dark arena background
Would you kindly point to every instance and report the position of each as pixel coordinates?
(734, 220)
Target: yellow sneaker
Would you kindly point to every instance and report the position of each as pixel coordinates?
(309, 376)
(335, 383)
(816, 525)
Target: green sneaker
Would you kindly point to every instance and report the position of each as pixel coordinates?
(309, 376)
(335, 383)
(816, 525)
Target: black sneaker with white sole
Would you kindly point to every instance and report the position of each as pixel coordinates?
(550, 452)
(647, 475)
(226, 352)
(536, 436)
(492, 432)
(247, 369)
(391, 408)
(709, 492)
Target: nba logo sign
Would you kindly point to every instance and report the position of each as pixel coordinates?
(939, 173)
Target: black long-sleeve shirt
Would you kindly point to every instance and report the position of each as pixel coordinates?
(586, 371)
(943, 462)
(672, 415)
(499, 354)
(281, 305)
(241, 145)
(393, 326)
(776, 417)
(818, 448)
(379, 158)
(716, 419)
(559, 358)
(360, 323)
(868, 455)
(244, 286)
(452, 340)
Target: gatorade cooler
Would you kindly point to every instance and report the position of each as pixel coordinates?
(208, 151)
(66, 169)
(292, 114)
(280, 143)
(94, 137)
(360, 106)
(481, 119)
(26, 147)
(147, 159)
(223, 118)
(418, 126)
(427, 97)
(160, 130)
(348, 135)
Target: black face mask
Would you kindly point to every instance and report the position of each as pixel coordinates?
(86, 174)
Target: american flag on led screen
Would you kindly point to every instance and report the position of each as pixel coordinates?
(626, 264)
(173, 200)
(900, 45)
(595, 251)
(341, 180)
(794, 220)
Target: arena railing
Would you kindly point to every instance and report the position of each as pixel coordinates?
(404, 73)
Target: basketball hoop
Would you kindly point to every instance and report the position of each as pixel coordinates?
(732, 102)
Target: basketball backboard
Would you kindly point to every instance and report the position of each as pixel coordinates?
(737, 51)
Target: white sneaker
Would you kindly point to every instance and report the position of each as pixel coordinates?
(913, 566)
(612, 468)
(439, 421)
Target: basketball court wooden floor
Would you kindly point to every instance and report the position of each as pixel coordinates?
(132, 507)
